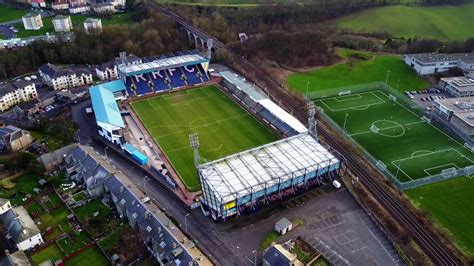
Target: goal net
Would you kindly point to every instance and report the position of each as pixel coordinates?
(449, 172)
(374, 129)
(469, 147)
(342, 93)
(391, 97)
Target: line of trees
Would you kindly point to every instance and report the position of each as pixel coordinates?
(151, 35)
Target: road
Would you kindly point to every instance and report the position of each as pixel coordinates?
(369, 176)
(197, 224)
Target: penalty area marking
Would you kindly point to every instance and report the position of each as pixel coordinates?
(439, 166)
(357, 107)
(349, 97)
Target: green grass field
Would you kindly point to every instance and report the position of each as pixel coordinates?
(52, 253)
(408, 146)
(223, 127)
(9, 13)
(355, 71)
(77, 22)
(440, 22)
(449, 204)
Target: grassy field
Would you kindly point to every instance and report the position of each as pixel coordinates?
(223, 127)
(9, 13)
(77, 22)
(408, 146)
(449, 204)
(440, 22)
(358, 71)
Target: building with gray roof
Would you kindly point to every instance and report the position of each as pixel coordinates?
(21, 229)
(14, 139)
(162, 237)
(431, 63)
(64, 78)
(459, 112)
(17, 92)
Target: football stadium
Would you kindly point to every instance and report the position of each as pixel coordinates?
(245, 150)
(401, 141)
(223, 127)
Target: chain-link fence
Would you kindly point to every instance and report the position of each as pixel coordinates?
(402, 99)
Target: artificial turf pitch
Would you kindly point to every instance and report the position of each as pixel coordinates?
(410, 147)
(223, 127)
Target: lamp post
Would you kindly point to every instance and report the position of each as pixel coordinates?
(105, 151)
(145, 179)
(307, 87)
(345, 120)
(255, 260)
(386, 79)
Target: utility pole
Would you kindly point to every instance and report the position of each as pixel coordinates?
(105, 151)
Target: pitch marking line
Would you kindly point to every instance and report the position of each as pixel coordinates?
(436, 167)
(349, 98)
(364, 106)
(449, 137)
(183, 103)
(399, 125)
(203, 125)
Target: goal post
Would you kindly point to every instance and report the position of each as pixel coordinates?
(393, 98)
(342, 93)
(469, 147)
(449, 172)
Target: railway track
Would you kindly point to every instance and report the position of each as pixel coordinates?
(370, 178)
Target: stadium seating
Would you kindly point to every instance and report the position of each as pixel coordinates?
(166, 79)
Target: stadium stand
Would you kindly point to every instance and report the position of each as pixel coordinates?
(261, 105)
(160, 73)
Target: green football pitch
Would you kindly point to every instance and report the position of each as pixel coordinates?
(223, 127)
(407, 145)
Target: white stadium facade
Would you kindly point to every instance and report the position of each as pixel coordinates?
(241, 182)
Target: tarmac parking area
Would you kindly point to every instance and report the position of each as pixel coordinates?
(334, 224)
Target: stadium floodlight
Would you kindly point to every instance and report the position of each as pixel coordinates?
(194, 141)
(311, 120)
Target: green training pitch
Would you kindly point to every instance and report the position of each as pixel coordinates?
(355, 71)
(408, 146)
(223, 127)
(440, 22)
(449, 205)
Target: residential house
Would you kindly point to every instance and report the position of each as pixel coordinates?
(20, 228)
(32, 21)
(14, 139)
(64, 78)
(62, 23)
(15, 93)
(109, 70)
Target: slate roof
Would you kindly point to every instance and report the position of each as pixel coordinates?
(11, 87)
(19, 224)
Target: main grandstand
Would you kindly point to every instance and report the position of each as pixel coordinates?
(239, 183)
(155, 74)
(161, 73)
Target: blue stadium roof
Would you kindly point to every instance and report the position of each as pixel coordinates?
(114, 86)
(105, 106)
